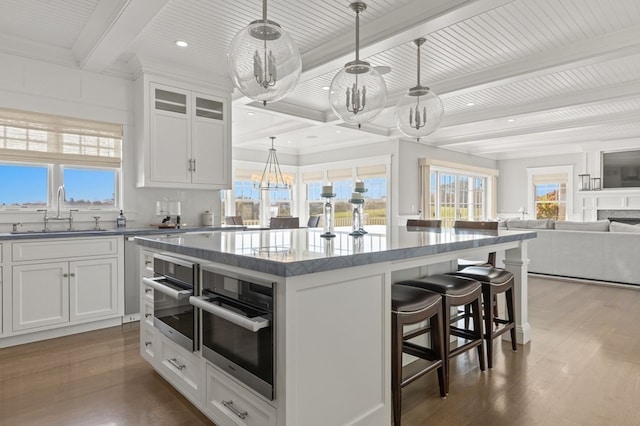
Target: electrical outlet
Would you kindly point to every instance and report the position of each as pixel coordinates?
(130, 318)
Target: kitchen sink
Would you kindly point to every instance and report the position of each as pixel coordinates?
(64, 231)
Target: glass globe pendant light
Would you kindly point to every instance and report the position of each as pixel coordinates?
(419, 112)
(264, 62)
(358, 92)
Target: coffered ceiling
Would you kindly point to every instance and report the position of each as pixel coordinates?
(517, 78)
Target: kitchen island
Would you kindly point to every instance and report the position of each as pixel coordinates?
(332, 313)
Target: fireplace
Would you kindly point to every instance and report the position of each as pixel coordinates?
(631, 217)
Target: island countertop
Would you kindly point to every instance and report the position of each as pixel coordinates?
(291, 252)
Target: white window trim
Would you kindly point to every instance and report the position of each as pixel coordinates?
(535, 171)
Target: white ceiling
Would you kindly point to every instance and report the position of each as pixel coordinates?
(544, 76)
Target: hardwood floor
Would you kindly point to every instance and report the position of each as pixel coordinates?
(582, 368)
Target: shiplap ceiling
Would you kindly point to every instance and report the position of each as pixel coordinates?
(517, 78)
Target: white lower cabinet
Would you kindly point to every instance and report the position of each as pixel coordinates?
(228, 403)
(51, 284)
(147, 343)
(181, 368)
(54, 293)
(40, 295)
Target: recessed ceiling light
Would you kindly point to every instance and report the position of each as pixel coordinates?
(288, 141)
(338, 131)
(470, 104)
(511, 120)
(251, 113)
(325, 87)
(181, 43)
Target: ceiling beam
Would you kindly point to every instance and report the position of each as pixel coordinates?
(403, 25)
(110, 29)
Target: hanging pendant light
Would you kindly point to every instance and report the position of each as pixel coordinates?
(264, 62)
(272, 177)
(358, 92)
(419, 112)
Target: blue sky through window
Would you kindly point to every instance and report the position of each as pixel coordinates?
(23, 185)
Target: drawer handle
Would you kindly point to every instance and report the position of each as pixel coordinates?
(65, 275)
(73, 274)
(147, 343)
(175, 363)
(147, 262)
(147, 290)
(147, 315)
(229, 404)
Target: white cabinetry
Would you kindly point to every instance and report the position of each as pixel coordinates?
(62, 286)
(184, 139)
(227, 403)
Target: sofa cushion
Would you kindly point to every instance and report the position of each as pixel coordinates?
(598, 226)
(623, 227)
(530, 224)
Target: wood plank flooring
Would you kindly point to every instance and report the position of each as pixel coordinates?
(582, 368)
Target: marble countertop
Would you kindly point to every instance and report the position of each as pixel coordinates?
(129, 232)
(291, 252)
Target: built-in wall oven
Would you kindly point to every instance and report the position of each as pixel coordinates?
(238, 328)
(175, 280)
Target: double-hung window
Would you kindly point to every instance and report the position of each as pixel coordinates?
(550, 190)
(40, 153)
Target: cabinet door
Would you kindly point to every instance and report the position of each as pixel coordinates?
(40, 295)
(93, 288)
(170, 136)
(210, 145)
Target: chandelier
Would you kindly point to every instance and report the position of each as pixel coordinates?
(272, 177)
(419, 112)
(264, 62)
(358, 92)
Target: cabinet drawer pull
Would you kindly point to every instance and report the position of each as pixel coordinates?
(73, 274)
(175, 363)
(147, 315)
(147, 262)
(65, 275)
(147, 343)
(194, 164)
(147, 290)
(229, 404)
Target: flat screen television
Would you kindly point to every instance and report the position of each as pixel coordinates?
(621, 169)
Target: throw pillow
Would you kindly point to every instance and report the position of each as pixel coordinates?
(623, 227)
(598, 226)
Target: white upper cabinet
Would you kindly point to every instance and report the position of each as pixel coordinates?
(183, 138)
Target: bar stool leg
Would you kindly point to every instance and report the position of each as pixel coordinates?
(396, 369)
(438, 345)
(477, 326)
(487, 296)
(511, 316)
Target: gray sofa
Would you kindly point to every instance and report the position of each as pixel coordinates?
(601, 250)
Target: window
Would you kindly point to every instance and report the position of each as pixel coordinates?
(457, 196)
(40, 152)
(550, 190)
(551, 200)
(33, 177)
(375, 200)
(315, 203)
(86, 188)
(247, 201)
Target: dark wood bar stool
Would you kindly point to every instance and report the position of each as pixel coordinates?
(413, 305)
(477, 225)
(494, 281)
(456, 291)
(424, 223)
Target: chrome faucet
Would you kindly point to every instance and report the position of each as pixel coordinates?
(61, 192)
(46, 220)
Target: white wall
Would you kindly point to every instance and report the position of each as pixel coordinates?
(512, 181)
(41, 87)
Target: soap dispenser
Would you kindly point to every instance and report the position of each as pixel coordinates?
(121, 221)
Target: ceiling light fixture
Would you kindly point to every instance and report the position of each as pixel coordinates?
(358, 91)
(470, 104)
(182, 43)
(419, 112)
(272, 177)
(264, 62)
